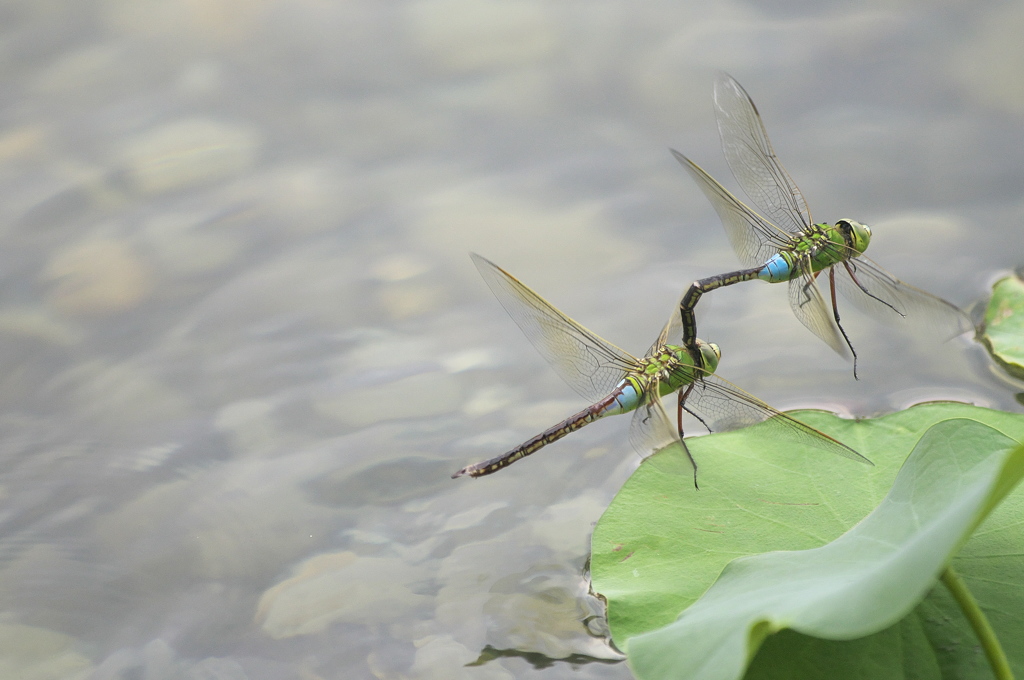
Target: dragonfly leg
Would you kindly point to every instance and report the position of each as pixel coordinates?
(835, 313)
(683, 394)
(681, 399)
(681, 405)
(851, 271)
(805, 296)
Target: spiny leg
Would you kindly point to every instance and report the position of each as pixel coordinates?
(835, 313)
(681, 404)
(811, 309)
(805, 290)
(682, 407)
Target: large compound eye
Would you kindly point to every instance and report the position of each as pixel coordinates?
(859, 235)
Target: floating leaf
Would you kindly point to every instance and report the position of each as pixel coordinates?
(1003, 330)
(660, 546)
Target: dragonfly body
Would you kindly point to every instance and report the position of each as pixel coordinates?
(670, 370)
(815, 250)
(785, 245)
(823, 245)
(617, 382)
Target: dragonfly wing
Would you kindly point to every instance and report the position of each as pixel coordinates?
(589, 364)
(882, 296)
(810, 308)
(671, 332)
(754, 238)
(727, 407)
(651, 429)
(753, 161)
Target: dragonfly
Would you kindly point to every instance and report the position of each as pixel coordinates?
(617, 382)
(784, 244)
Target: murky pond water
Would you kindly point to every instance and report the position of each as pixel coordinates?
(244, 347)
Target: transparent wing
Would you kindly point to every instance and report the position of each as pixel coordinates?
(651, 429)
(753, 161)
(671, 333)
(754, 238)
(727, 407)
(810, 308)
(882, 296)
(590, 365)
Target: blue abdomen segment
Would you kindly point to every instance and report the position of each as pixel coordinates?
(776, 270)
(626, 397)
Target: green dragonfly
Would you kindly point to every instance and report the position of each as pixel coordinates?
(785, 245)
(617, 382)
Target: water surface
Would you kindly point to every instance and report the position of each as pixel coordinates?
(244, 346)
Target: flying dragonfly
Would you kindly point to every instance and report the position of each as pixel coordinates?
(617, 382)
(786, 245)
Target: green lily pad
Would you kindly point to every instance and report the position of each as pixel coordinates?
(1003, 330)
(660, 546)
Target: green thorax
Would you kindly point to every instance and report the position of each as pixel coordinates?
(828, 244)
(673, 366)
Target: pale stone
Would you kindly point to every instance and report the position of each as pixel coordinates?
(400, 267)
(312, 198)
(23, 142)
(440, 657)
(407, 299)
(533, 605)
(339, 588)
(30, 653)
(546, 246)
(490, 399)
(237, 524)
(30, 322)
(98, 277)
(470, 359)
(190, 152)
(566, 527)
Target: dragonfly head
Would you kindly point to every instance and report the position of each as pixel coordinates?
(710, 353)
(856, 235)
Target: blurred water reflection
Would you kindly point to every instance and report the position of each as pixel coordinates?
(244, 345)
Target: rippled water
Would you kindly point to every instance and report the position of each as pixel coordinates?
(244, 347)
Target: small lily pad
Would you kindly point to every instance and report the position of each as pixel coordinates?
(660, 546)
(1003, 330)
